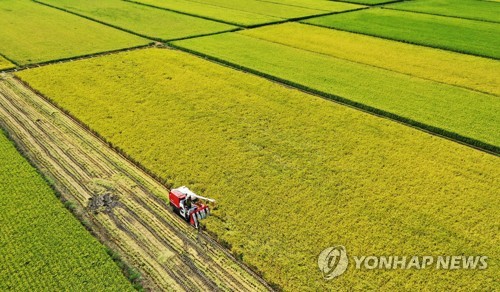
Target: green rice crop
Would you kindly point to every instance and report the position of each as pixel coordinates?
(147, 21)
(292, 173)
(42, 246)
(481, 74)
(435, 106)
(33, 33)
(459, 35)
(470, 9)
(248, 12)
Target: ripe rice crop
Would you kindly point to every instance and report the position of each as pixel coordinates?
(453, 111)
(4, 64)
(482, 74)
(42, 246)
(248, 12)
(422, 29)
(150, 22)
(51, 34)
(470, 9)
(292, 173)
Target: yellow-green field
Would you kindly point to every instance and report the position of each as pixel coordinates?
(33, 33)
(292, 173)
(5, 64)
(428, 63)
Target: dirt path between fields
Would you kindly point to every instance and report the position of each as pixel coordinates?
(125, 207)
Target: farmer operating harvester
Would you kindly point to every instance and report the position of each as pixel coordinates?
(188, 205)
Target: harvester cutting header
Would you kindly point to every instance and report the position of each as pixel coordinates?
(189, 205)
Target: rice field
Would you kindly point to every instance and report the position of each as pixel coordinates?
(146, 21)
(289, 176)
(469, 9)
(249, 12)
(42, 246)
(5, 64)
(427, 63)
(52, 35)
(422, 29)
(450, 110)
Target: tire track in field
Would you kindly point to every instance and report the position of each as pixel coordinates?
(165, 249)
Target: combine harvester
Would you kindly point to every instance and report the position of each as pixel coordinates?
(188, 205)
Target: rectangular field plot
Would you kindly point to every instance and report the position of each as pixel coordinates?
(443, 108)
(459, 35)
(50, 34)
(292, 173)
(43, 247)
(147, 21)
(481, 74)
(470, 9)
(249, 12)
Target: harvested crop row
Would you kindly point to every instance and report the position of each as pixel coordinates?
(470, 9)
(248, 12)
(51, 34)
(147, 21)
(43, 246)
(292, 173)
(421, 29)
(482, 74)
(457, 112)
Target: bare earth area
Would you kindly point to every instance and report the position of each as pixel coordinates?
(122, 205)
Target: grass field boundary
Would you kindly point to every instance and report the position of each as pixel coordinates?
(127, 270)
(127, 30)
(438, 14)
(76, 58)
(163, 182)
(406, 42)
(436, 131)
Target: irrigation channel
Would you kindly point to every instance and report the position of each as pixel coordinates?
(122, 205)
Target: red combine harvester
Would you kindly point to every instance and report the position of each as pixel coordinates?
(188, 205)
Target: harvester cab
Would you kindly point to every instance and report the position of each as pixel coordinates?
(189, 205)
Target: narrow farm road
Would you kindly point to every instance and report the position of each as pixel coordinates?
(122, 205)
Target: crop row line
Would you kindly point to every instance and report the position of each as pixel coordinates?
(467, 141)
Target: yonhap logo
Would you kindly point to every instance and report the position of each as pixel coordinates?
(333, 261)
